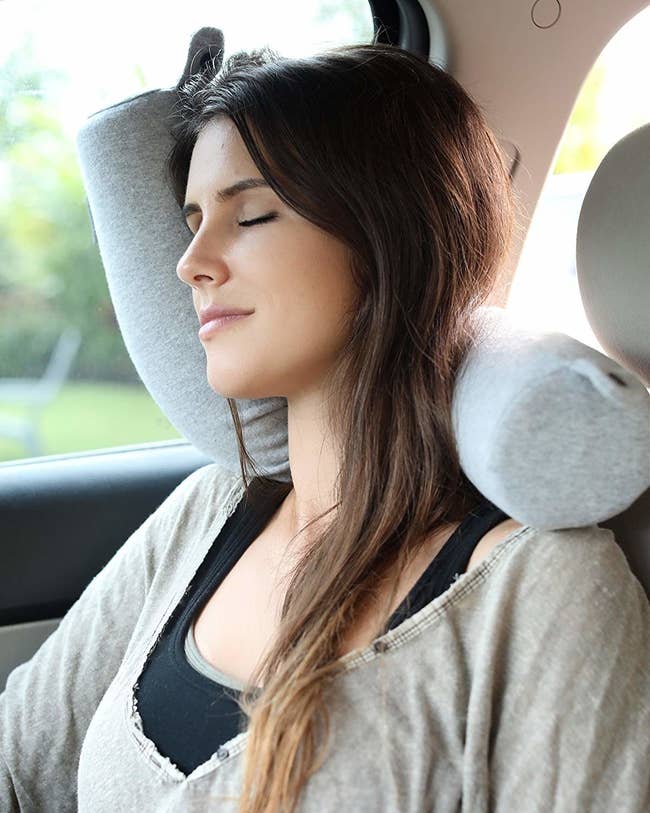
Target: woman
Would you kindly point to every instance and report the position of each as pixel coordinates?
(368, 216)
(372, 213)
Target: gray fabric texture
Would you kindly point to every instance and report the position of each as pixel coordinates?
(613, 270)
(525, 686)
(542, 429)
(613, 252)
(121, 151)
(552, 431)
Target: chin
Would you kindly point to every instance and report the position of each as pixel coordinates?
(232, 386)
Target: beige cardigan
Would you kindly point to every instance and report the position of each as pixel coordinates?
(524, 687)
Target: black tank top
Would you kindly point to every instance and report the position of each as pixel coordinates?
(189, 715)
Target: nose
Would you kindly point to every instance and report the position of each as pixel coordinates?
(195, 269)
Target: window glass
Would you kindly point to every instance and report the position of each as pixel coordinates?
(612, 102)
(60, 63)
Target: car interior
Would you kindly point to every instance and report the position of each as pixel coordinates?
(552, 430)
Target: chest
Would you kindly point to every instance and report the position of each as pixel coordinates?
(238, 624)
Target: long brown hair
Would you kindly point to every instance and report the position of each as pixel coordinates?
(388, 153)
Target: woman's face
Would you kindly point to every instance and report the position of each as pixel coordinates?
(292, 275)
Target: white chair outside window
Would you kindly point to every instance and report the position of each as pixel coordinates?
(36, 393)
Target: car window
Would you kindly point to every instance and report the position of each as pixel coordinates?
(612, 102)
(54, 300)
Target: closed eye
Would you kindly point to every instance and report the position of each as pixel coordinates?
(257, 220)
(245, 223)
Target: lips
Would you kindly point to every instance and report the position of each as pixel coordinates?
(217, 311)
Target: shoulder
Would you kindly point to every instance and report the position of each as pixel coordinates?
(564, 553)
(211, 479)
(556, 573)
(590, 550)
(565, 602)
(491, 539)
(188, 514)
(577, 575)
(195, 501)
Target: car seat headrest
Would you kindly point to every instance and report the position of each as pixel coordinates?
(552, 431)
(613, 252)
(613, 269)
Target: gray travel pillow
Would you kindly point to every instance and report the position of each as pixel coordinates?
(552, 431)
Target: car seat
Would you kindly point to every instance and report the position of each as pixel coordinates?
(552, 431)
(613, 265)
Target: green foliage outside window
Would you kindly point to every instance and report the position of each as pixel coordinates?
(51, 275)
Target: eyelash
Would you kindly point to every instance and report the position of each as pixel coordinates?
(247, 223)
(257, 220)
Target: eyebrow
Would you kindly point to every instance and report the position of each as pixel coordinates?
(226, 194)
